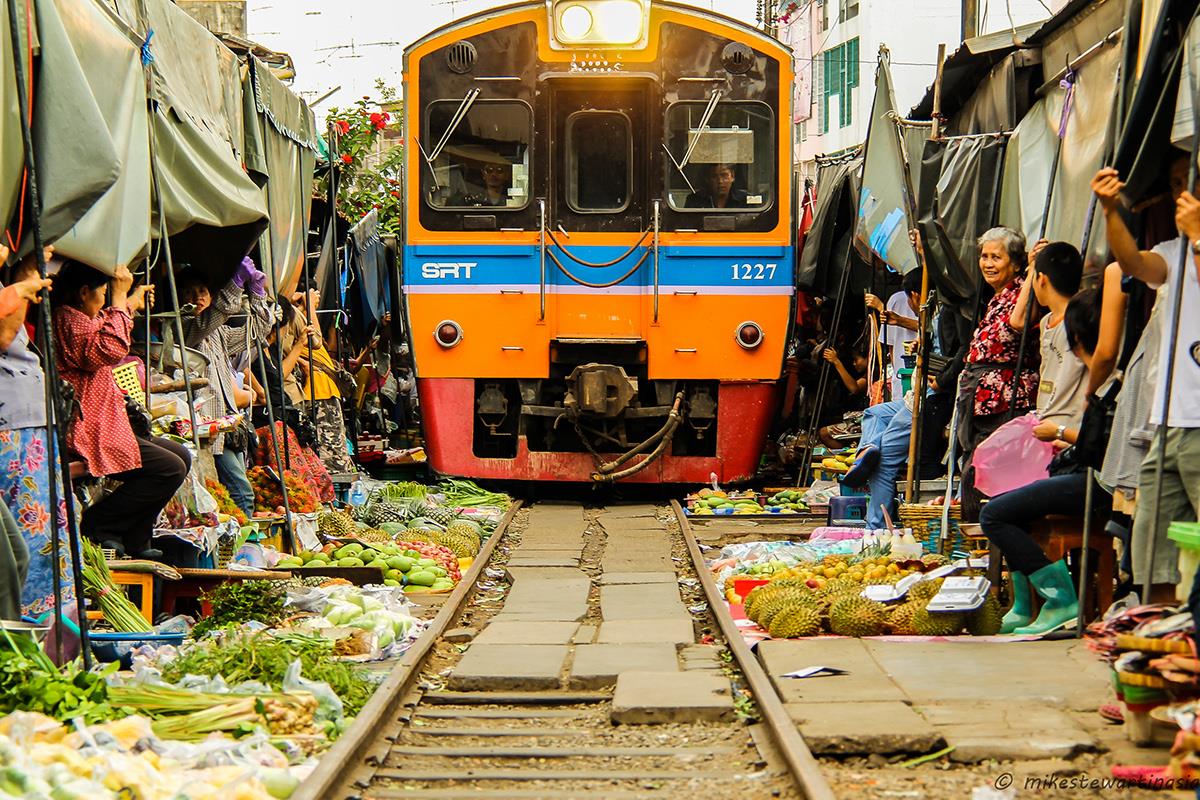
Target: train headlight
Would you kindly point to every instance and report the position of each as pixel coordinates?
(599, 23)
(574, 23)
(448, 333)
(749, 335)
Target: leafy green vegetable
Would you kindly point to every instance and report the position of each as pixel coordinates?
(265, 656)
(236, 602)
(468, 494)
(29, 681)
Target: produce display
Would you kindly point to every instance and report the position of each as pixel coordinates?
(225, 504)
(29, 681)
(827, 598)
(710, 501)
(400, 564)
(237, 602)
(788, 501)
(268, 496)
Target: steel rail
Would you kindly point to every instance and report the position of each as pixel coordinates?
(804, 768)
(334, 776)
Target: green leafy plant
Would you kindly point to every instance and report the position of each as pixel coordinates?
(29, 681)
(242, 601)
(366, 181)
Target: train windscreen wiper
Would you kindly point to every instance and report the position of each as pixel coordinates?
(713, 100)
(459, 115)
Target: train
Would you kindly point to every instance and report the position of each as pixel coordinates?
(597, 251)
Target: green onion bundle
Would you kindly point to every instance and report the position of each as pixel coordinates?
(98, 583)
(468, 494)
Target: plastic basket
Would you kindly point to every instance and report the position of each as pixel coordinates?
(126, 378)
(954, 544)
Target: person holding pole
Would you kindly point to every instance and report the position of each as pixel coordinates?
(1158, 267)
(24, 485)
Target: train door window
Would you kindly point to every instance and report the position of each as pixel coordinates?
(721, 159)
(599, 162)
(478, 154)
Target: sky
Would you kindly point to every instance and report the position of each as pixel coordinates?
(352, 43)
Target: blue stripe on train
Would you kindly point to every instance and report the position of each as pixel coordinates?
(430, 266)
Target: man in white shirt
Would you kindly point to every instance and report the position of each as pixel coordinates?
(899, 324)
(1180, 499)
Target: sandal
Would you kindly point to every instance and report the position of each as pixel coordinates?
(1112, 712)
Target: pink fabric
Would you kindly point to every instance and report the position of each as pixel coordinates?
(88, 349)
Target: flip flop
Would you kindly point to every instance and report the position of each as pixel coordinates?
(863, 468)
(1112, 712)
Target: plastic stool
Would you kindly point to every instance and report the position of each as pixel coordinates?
(142, 580)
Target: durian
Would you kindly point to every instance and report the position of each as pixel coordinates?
(900, 619)
(937, 623)
(986, 620)
(799, 620)
(925, 590)
(336, 524)
(857, 616)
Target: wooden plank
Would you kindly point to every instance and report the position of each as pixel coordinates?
(467, 774)
(515, 698)
(498, 731)
(559, 752)
(498, 713)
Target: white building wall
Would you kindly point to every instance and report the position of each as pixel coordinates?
(912, 30)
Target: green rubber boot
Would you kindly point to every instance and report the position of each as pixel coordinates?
(1021, 612)
(1061, 604)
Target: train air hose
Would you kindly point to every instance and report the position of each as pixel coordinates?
(606, 473)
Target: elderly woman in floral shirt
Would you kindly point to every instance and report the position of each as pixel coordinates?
(985, 388)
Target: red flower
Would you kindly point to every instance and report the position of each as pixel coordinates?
(347, 159)
(343, 126)
(386, 116)
(395, 194)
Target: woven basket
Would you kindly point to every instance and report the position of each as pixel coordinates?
(126, 378)
(926, 524)
(1147, 681)
(225, 551)
(1126, 641)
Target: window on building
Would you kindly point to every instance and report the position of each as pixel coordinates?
(823, 15)
(847, 9)
(804, 131)
(838, 76)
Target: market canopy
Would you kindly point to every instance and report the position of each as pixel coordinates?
(884, 199)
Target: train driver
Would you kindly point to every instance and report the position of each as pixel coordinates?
(497, 178)
(721, 192)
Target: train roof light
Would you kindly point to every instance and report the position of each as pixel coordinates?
(599, 23)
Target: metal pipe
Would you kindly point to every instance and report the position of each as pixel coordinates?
(1084, 555)
(657, 211)
(542, 258)
(672, 416)
(1084, 57)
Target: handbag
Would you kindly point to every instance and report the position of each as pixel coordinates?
(341, 378)
(139, 417)
(241, 438)
(1091, 444)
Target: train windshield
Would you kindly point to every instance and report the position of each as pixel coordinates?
(479, 154)
(599, 161)
(721, 157)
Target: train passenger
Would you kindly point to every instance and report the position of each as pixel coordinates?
(719, 180)
(497, 180)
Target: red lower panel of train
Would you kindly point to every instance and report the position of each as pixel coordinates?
(744, 416)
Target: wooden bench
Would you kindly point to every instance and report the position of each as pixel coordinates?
(195, 582)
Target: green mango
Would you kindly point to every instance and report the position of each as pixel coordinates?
(421, 578)
(350, 561)
(400, 563)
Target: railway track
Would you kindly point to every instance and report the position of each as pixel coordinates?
(511, 691)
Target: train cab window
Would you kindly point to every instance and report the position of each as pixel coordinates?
(599, 161)
(478, 154)
(723, 163)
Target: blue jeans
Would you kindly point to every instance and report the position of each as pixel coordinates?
(231, 469)
(888, 426)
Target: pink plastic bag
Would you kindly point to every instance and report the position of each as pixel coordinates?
(1011, 457)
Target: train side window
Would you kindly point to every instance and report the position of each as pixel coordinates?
(724, 163)
(482, 161)
(599, 162)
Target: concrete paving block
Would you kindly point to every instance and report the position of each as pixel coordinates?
(586, 634)
(518, 560)
(1051, 672)
(509, 666)
(629, 578)
(629, 512)
(623, 564)
(514, 574)
(864, 681)
(673, 630)
(647, 601)
(658, 697)
(460, 635)
(522, 632)
(984, 730)
(860, 728)
(546, 612)
(597, 666)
